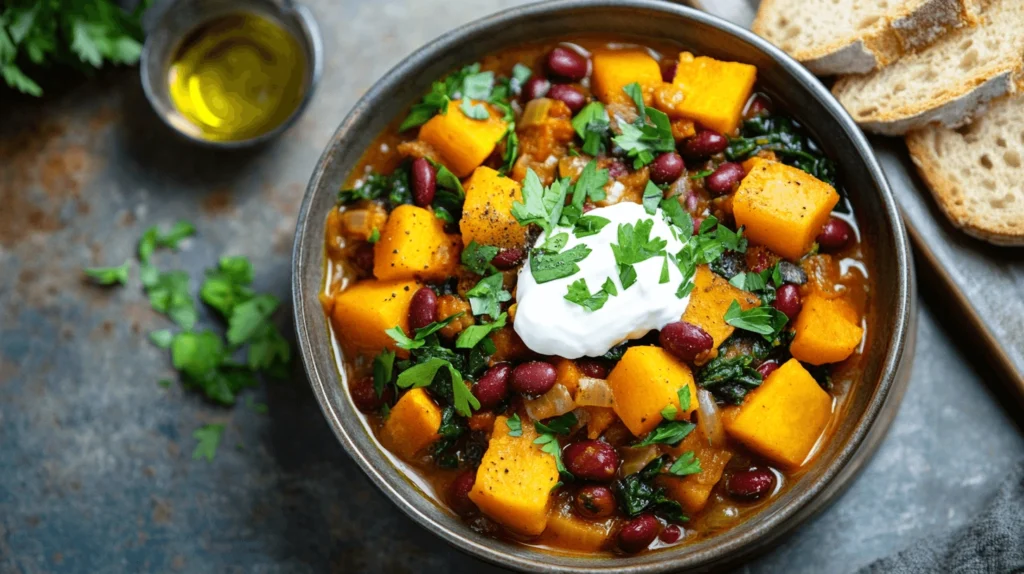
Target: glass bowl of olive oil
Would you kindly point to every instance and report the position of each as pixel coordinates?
(231, 73)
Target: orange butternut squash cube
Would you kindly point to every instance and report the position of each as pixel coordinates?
(715, 92)
(693, 491)
(827, 331)
(487, 211)
(784, 417)
(782, 207)
(710, 299)
(600, 418)
(412, 425)
(616, 69)
(365, 310)
(413, 244)
(566, 530)
(645, 381)
(568, 375)
(463, 143)
(514, 480)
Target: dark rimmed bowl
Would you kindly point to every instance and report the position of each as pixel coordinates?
(892, 319)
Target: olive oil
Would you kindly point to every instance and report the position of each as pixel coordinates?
(237, 77)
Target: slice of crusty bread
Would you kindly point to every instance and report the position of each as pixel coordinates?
(946, 82)
(977, 172)
(857, 36)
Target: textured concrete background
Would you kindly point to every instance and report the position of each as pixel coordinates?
(95, 467)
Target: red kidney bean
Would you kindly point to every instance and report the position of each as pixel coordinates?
(751, 484)
(363, 257)
(533, 378)
(668, 72)
(568, 94)
(492, 388)
(787, 300)
(458, 493)
(671, 534)
(667, 168)
(365, 396)
(685, 340)
(725, 177)
(422, 308)
(766, 368)
(617, 169)
(423, 180)
(507, 258)
(638, 533)
(705, 143)
(567, 64)
(594, 501)
(591, 460)
(760, 105)
(835, 235)
(594, 368)
(535, 88)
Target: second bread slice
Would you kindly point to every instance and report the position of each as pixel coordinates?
(945, 83)
(976, 172)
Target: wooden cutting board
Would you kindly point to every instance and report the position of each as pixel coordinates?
(978, 288)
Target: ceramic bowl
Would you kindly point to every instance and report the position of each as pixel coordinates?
(889, 343)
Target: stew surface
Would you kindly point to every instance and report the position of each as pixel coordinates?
(598, 296)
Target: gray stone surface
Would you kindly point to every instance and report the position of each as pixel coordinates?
(95, 467)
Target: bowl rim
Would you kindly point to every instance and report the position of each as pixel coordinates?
(783, 518)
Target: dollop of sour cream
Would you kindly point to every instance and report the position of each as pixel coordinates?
(550, 324)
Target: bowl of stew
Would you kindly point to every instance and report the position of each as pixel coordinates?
(594, 285)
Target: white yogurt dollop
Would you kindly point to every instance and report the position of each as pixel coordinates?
(549, 324)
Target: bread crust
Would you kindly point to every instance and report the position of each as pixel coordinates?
(902, 31)
(939, 181)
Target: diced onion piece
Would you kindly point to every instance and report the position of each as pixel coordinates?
(710, 419)
(594, 393)
(536, 112)
(553, 403)
(634, 459)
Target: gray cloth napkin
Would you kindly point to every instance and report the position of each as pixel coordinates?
(991, 543)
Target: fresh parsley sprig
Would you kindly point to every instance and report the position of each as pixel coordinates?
(764, 320)
(650, 133)
(579, 293)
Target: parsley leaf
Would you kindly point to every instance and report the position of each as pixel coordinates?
(652, 131)
(168, 293)
(473, 334)
(635, 245)
(419, 339)
(152, 238)
(477, 258)
(686, 464)
(590, 184)
(677, 216)
(764, 320)
(383, 367)
(702, 174)
(592, 125)
(422, 375)
(627, 276)
(394, 188)
(208, 439)
(589, 225)
(541, 205)
(684, 398)
(652, 197)
(227, 286)
(579, 293)
(609, 287)
(520, 74)
(474, 111)
(636, 493)
(557, 425)
(668, 432)
(477, 86)
(486, 297)
(110, 275)
(441, 94)
(551, 266)
(250, 317)
(515, 425)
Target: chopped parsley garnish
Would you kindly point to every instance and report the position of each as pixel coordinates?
(668, 432)
(486, 297)
(686, 464)
(679, 217)
(477, 86)
(473, 334)
(393, 188)
(441, 94)
(550, 445)
(383, 370)
(110, 275)
(477, 258)
(590, 184)
(554, 243)
(764, 320)
(541, 205)
(422, 375)
(558, 425)
(161, 338)
(702, 174)
(635, 245)
(652, 197)
(589, 225)
(152, 238)
(169, 294)
(419, 339)
(650, 133)
(207, 440)
(592, 125)
(579, 293)
(551, 266)
(515, 425)
(520, 74)
(474, 111)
